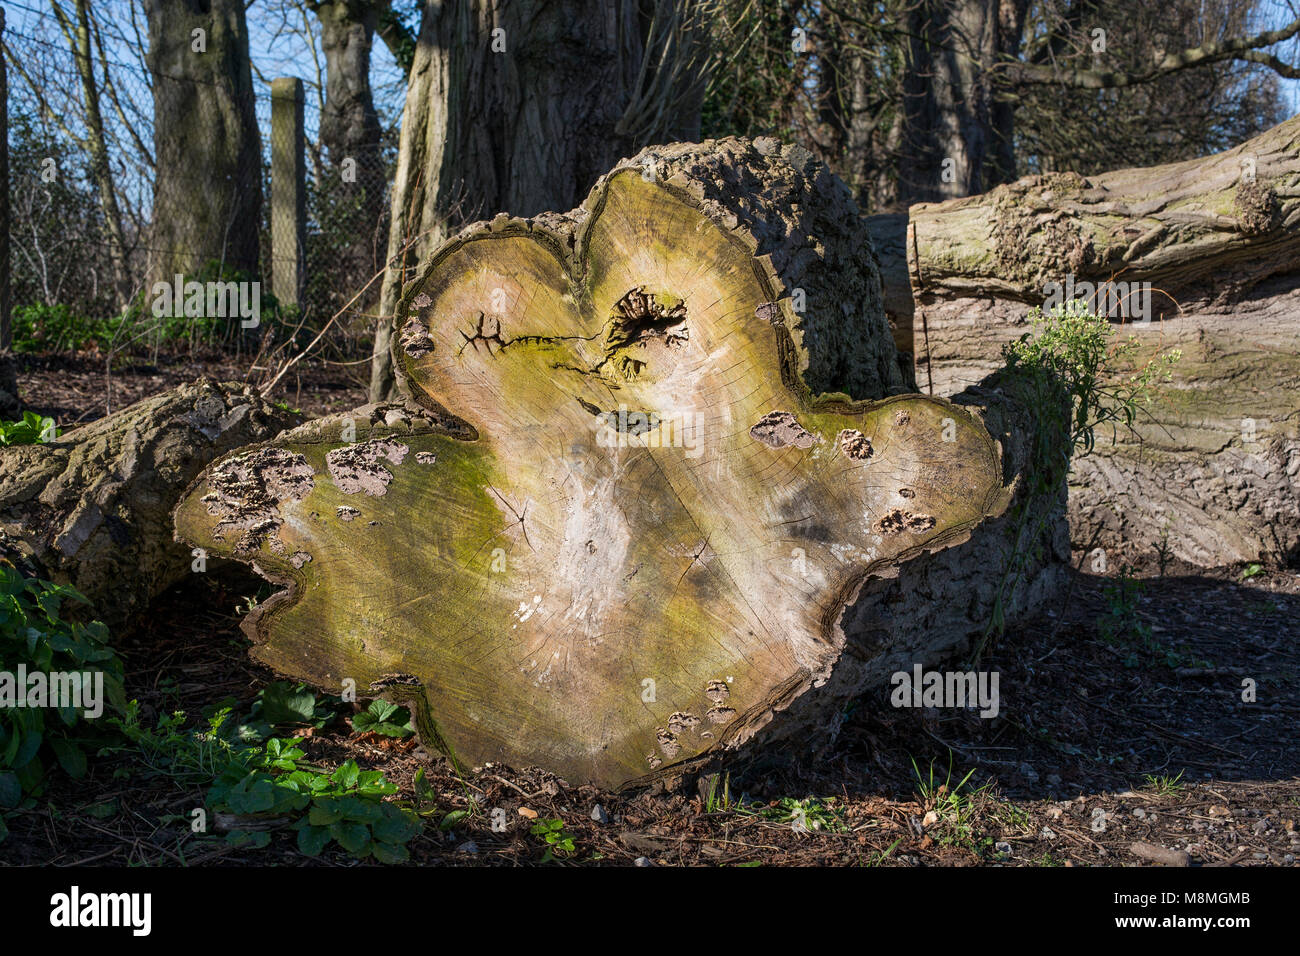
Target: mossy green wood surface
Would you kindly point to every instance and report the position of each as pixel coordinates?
(639, 549)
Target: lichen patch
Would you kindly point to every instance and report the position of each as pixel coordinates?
(778, 429)
(247, 490)
(680, 723)
(898, 521)
(356, 468)
(855, 445)
(720, 715)
(667, 743)
(415, 339)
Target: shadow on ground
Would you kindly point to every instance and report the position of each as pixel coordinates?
(1121, 721)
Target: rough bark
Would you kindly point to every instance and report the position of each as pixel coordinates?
(92, 508)
(1213, 476)
(207, 193)
(947, 124)
(526, 126)
(78, 35)
(627, 519)
(888, 232)
(9, 404)
(349, 125)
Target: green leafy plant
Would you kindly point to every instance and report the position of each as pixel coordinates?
(286, 704)
(1122, 626)
(384, 718)
(31, 429)
(556, 838)
(1121, 621)
(190, 757)
(346, 805)
(269, 786)
(1070, 348)
(1164, 784)
(56, 328)
(1064, 369)
(956, 806)
(806, 815)
(718, 797)
(1250, 571)
(36, 638)
(880, 858)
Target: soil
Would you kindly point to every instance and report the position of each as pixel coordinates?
(74, 388)
(1120, 723)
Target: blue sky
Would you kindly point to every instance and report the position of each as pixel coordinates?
(276, 47)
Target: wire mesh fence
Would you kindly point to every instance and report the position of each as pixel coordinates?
(133, 161)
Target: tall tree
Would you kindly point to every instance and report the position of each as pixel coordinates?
(350, 131)
(919, 100)
(77, 31)
(519, 105)
(1181, 114)
(8, 375)
(974, 65)
(349, 124)
(208, 189)
(81, 120)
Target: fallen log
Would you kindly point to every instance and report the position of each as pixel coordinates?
(92, 508)
(1211, 474)
(628, 518)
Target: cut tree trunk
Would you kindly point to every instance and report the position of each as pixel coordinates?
(625, 519)
(1211, 475)
(92, 508)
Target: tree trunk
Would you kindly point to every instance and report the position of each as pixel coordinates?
(208, 189)
(947, 124)
(1213, 478)
(659, 530)
(9, 404)
(517, 107)
(101, 173)
(349, 126)
(92, 508)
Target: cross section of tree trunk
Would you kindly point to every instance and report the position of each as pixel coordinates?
(628, 517)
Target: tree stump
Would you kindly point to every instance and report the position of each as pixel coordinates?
(627, 518)
(1212, 475)
(93, 507)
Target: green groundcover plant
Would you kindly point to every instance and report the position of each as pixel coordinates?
(35, 638)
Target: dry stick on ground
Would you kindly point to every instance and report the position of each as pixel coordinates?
(660, 529)
(265, 390)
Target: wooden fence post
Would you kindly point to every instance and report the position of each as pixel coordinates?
(288, 191)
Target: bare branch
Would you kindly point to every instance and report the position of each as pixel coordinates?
(1242, 48)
